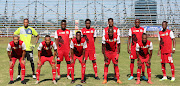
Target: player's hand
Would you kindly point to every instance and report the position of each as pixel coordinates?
(129, 51)
(23, 61)
(10, 63)
(149, 61)
(105, 59)
(39, 61)
(139, 62)
(53, 61)
(72, 61)
(158, 53)
(173, 51)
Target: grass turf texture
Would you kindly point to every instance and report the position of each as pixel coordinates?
(124, 62)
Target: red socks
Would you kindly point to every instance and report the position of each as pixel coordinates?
(68, 69)
(149, 72)
(138, 74)
(117, 72)
(72, 71)
(131, 68)
(105, 72)
(163, 69)
(143, 69)
(95, 69)
(58, 69)
(54, 73)
(22, 71)
(11, 73)
(37, 74)
(172, 69)
(83, 68)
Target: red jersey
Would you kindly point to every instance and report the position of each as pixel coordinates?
(78, 47)
(16, 50)
(63, 39)
(89, 35)
(143, 48)
(136, 34)
(166, 41)
(116, 31)
(47, 50)
(111, 44)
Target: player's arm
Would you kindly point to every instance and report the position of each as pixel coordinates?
(159, 50)
(95, 35)
(129, 41)
(84, 47)
(24, 52)
(137, 51)
(55, 50)
(150, 50)
(71, 51)
(118, 45)
(39, 53)
(17, 32)
(9, 51)
(173, 40)
(103, 48)
(35, 34)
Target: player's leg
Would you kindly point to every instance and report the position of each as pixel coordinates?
(170, 61)
(92, 57)
(38, 71)
(19, 67)
(163, 58)
(67, 58)
(31, 60)
(83, 67)
(106, 65)
(131, 69)
(22, 63)
(53, 68)
(143, 73)
(115, 62)
(11, 66)
(72, 70)
(139, 72)
(59, 59)
(149, 72)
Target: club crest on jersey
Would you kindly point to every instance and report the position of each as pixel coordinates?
(166, 34)
(91, 31)
(19, 46)
(67, 32)
(29, 31)
(141, 30)
(81, 44)
(114, 31)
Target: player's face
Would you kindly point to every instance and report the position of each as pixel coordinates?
(164, 25)
(88, 24)
(63, 25)
(26, 23)
(144, 38)
(16, 40)
(137, 23)
(110, 33)
(78, 36)
(47, 40)
(110, 22)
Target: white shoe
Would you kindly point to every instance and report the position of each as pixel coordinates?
(164, 78)
(37, 82)
(18, 77)
(173, 79)
(54, 82)
(34, 76)
(68, 77)
(58, 77)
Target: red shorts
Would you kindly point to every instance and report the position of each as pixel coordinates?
(133, 55)
(166, 58)
(112, 56)
(79, 58)
(91, 54)
(144, 59)
(49, 59)
(14, 60)
(63, 53)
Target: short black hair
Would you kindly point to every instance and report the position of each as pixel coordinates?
(47, 36)
(87, 20)
(144, 34)
(164, 22)
(26, 19)
(110, 19)
(63, 21)
(78, 32)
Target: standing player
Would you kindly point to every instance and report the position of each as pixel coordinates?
(111, 50)
(45, 54)
(16, 50)
(166, 38)
(116, 32)
(142, 50)
(62, 38)
(26, 33)
(78, 46)
(135, 33)
(90, 35)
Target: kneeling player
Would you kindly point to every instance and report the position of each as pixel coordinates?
(111, 52)
(78, 46)
(16, 50)
(144, 57)
(45, 54)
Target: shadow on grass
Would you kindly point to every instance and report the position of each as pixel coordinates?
(26, 80)
(161, 76)
(30, 75)
(45, 80)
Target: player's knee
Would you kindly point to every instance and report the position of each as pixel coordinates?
(68, 62)
(139, 67)
(106, 65)
(148, 66)
(58, 62)
(93, 61)
(132, 60)
(115, 64)
(31, 61)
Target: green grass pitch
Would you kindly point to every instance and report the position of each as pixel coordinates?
(124, 63)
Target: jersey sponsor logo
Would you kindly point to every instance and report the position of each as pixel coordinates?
(87, 31)
(61, 32)
(92, 31)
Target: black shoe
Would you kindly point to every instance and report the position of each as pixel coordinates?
(23, 82)
(97, 78)
(83, 81)
(73, 81)
(11, 82)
